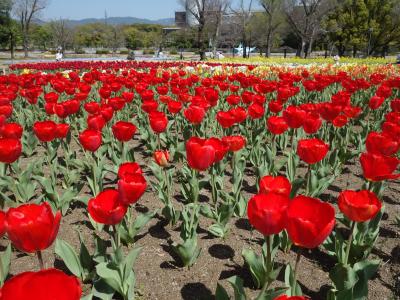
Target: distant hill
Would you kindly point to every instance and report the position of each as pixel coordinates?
(119, 21)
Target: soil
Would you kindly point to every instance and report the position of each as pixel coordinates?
(159, 275)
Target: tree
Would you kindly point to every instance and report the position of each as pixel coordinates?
(5, 20)
(198, 9)
(62, 34)
(9, 31)
(217, 9)
(274, 19)
(243, 16)
(369, 25)
(41, 36)
(26, 11)
(305, 18)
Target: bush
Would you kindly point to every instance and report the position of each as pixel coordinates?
(148, 51)
(79, 51)
(124, 52)
(102, 51)
(173, 52)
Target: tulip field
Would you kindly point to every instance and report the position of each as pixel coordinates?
(188, 180)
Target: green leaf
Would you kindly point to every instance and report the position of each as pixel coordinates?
(130, 260)
(102, 290)
(70, 258)
(5, 259)
(221, 293)
(256, 266)
(237, 284)
(272, 293)
(365, 270)
(84, 256)
(217, 230)
(110, 276)
(187, 251)
(344, 277)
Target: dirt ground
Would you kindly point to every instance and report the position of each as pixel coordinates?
(160, 277)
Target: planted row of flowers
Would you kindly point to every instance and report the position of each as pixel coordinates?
(64, 134)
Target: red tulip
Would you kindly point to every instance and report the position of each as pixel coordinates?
(312, 123)
(256, 111)
(131, 188)
(149, 105)
(219, 146)
(359, 206)
(128, 96)
(225, 119)
(123, 131)
(375, 102)
(6, 110)
(275, 106)
(233, 99)
(51, 97)
(90, 139)
(62, 131)
(92, 107)
(11, 131)
(294, 116)
(329, 111)
(10, 150)
(161, 158)
(199, 155)
(309, 221)
(277, 125)
(275, 184)
(174, 106)
(2, 223)
(32, 227)
(129, 168)
(239, 114)
(194, 114)
(378, 167)
(107, 113)
(285, 297)
(383, 144)
(96, 122)
(158, 121)
(267, 213)
(106, 208)
(312, 150)
(235, 142)
(48, 284)
(45, 131)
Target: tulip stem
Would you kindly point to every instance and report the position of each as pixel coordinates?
(2, 272)
(116, 236)
(349, 242)
(268, 264)
(9, 169)
(308, 184)
(296, 269)
(195, 186)
(159, 141)
(40, 259)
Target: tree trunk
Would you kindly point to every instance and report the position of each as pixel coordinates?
(244, 45)
(200, 41)
(25, 42)
(12, 45)
(302, 47)
(310, 45)
(354, 51)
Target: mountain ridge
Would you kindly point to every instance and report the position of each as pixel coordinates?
(117, 21)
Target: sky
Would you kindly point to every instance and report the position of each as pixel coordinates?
(82, 9)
